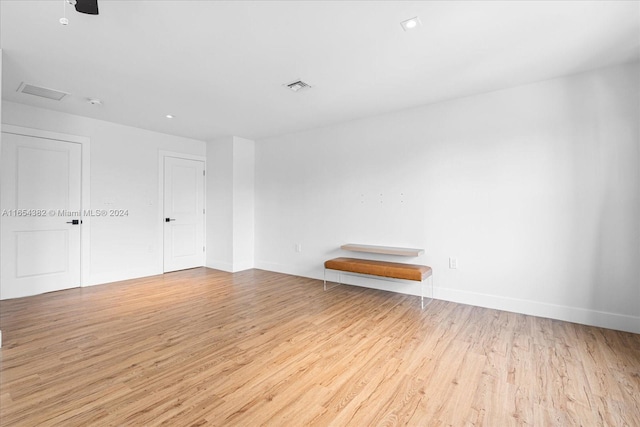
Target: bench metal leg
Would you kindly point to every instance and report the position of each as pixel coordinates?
(422, 292)
(325, 280)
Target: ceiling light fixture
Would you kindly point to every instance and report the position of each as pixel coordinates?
(94, 101)
(169, 116)
(89, 7)
(297, 85)
(410, 24)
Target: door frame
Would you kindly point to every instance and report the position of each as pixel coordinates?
(85, 187)
(162, 154)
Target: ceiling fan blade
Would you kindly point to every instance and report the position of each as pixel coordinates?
(87, 6)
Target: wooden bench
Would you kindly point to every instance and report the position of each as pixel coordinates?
(392, 270)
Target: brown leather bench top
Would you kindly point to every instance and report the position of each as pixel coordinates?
(395, 270)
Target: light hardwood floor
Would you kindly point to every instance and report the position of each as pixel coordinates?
(204, 347)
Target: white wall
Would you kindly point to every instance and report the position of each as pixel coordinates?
(220, 204)
(243, 203)
(534, 189)
(0, 144)
(230, 204)
(124, 175)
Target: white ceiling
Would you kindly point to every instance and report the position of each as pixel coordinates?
(219, 66)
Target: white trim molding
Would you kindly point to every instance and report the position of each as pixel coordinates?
(620, 322)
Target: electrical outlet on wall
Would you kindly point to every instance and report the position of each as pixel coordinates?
(298, 247)
(453, 263)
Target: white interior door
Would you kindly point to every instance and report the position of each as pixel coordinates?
(40, 197)
(183, 213)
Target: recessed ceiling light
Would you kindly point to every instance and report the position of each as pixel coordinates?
(94, 101)
(297, 85)
(410, 24)
(169, 116)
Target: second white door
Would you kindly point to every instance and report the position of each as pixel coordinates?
(183, 214)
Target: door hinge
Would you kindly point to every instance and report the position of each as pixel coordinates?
(203, 211)
(203, 249)
(203, 173)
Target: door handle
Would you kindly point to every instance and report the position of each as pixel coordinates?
(75, 221)
(169, 219)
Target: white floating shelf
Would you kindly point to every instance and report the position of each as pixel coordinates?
(386, 250)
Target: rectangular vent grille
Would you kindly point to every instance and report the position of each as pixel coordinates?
(298, 85)
(43, 92)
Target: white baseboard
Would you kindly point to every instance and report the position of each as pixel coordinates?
(117, 276)
(620, 322)
(583, 316)
(221, 265)
(272, 266)
(241, 266)
(230, 267)
(286, 269)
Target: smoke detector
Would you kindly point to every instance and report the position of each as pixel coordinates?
(298, 85)
(94, 101)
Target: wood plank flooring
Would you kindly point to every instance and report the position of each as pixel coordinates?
(203, 347)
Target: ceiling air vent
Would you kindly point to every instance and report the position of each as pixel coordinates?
(43, 92)
(298, 85)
